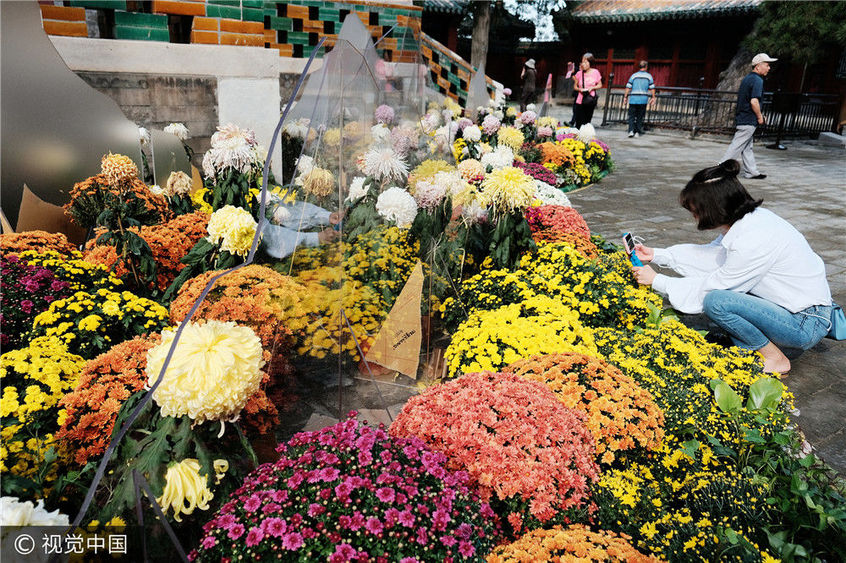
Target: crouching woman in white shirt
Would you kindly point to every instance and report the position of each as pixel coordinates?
(759, 279)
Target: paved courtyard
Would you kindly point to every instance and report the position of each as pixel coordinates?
(806, 185)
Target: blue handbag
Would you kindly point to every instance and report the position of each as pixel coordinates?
(838, 323)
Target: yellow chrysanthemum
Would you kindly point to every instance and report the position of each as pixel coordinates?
(510, 137)
(426, 170)
(185, 489)
(118, 169)
(233, 228)
(507, 190)
(215, 368)
(332, 137)
(319, 182)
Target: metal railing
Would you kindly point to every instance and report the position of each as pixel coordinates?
(699, 110)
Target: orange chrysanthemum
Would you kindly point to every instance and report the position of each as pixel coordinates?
(575, 543)
(91, 196)
(106, 382)
(169, 242)
(577, 240)
(255, 296)
(556, 154)
(118, 169)
(39, 241)
(621, 415)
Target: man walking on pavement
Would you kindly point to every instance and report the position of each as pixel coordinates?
(749, 117)
(638, 88)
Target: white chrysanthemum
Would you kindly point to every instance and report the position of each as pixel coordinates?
(384, 163)
(474, 212)
(442, 137)
(397, 205)
(381, 133)
(518, 124)
(452, 182)
(178, 183)
(298, 128)
(144, 136)
(430, 121)
(531, 107)
(232, 147)
(178, 130)
(281, 214)
(13, 512)
(586, 133)
(357, 189)
(550, 195)
(429, 194)
(500, 157)
(472, 133)
(215, 369)
(156, 189)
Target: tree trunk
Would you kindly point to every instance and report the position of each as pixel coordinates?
(481, 32)
(720, 115)
(740, 66)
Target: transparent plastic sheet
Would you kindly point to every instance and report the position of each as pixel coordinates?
(335, 294)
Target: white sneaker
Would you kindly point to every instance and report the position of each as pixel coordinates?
(637, 135)
(631, 134)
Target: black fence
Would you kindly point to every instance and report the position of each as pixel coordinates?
(698, 110)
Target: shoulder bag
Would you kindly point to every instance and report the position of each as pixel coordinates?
(589, 99)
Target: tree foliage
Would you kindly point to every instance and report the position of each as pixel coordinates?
(799, 31)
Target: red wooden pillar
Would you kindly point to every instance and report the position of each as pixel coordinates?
(609, 68)
(674, 66)
(712, 64)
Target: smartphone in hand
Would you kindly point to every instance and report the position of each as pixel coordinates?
(629, 245)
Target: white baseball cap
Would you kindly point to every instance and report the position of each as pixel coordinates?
(762, 58)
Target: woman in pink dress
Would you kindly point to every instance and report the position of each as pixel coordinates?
(586, 82)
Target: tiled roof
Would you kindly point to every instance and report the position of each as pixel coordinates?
(446, 6)
(605, 11)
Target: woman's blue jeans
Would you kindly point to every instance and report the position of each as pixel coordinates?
(752, 322)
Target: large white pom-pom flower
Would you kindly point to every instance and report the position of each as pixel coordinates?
(587, 133)
(501, 157)
(397, 205)
(550, 195)
(215, 368)
(472, 133)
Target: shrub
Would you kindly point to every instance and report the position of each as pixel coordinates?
(620, 414)
(351, 492)
(530, 455)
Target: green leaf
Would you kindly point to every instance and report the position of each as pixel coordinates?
(690, 448)
(727, 399)
(765, 394)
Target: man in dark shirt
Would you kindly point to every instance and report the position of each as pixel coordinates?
(749, 116)
(529, 76)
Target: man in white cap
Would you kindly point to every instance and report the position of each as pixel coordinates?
(748, 117)
(529, 76)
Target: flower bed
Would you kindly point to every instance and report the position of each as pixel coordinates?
(531, 457)
(350, 492)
